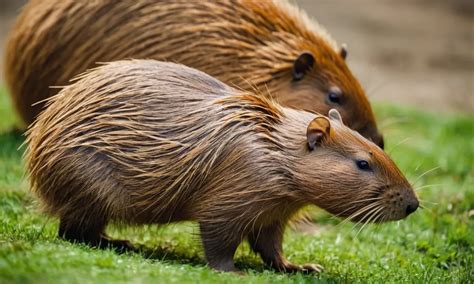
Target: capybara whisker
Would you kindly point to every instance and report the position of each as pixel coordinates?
(427, 186)
(425, 173)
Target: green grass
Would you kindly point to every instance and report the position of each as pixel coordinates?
(433, 245)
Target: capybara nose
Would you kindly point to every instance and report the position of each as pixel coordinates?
(412, 207)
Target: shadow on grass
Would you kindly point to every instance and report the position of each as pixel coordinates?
(244, 263)
(171, 255)
(10, 141)
(14, 130)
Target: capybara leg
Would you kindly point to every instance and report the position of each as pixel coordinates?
(91, 233)
(267, 241)
(83, 231)
(219, 246)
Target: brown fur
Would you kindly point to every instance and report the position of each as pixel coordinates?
(146, 142)
(236, 41)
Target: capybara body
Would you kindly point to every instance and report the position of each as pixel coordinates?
(147, 142)
(268, 44)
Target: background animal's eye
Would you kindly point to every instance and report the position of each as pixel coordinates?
(334, 97)
(363, 165)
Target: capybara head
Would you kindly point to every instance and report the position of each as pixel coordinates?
(358, 181)
(310, 70)
(320, 80)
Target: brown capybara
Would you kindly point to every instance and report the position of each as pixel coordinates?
(147, 142)
(269, 44)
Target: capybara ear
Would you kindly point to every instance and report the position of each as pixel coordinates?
(318, 130)
(343, 51)
(335, 115)
(302, 64)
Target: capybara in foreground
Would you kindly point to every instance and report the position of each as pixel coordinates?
(267, 43)
(147, 142)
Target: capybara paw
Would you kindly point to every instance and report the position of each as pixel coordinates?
(312, 268)
(305, 268)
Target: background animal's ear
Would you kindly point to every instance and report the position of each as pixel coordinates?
(343, 51)
(335, 115)
(302, 64)
(318, 130)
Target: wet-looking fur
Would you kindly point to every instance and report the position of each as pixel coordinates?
(147, 142)
(268, 43)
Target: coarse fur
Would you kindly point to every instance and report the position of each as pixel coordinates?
(147, 142)
(240, 42)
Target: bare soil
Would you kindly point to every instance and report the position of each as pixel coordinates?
(410, 52)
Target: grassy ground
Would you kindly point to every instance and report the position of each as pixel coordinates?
(433, 245)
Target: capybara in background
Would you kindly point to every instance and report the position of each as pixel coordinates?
(147, 142)
(268, 44)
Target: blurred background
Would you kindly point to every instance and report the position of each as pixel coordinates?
(408, 52)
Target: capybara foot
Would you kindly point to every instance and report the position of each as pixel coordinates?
(289, 267)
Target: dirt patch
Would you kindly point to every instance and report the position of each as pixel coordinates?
(416, 52)
(413, 52)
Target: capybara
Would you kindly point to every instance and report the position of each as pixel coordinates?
(260, 43)
(147, 142)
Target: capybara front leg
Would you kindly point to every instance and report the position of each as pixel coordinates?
(267, 241)
(220, 244)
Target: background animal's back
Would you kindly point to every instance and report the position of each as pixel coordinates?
(60, 39)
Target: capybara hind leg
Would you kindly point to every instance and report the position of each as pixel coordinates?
(267, 241)
(219, 247)
(93, 235)
(81, 232)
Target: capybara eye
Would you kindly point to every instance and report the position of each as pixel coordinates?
(363, 165)
(334, 97)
